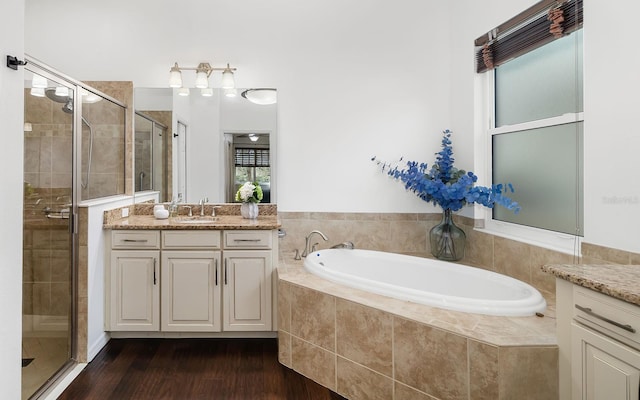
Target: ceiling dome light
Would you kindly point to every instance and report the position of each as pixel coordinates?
(175, 76)
(262, 96)
(228, 82)
(39, 81)
(206, 92)
(183, 91)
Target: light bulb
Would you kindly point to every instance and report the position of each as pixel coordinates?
(202, 80)
(227, 78)
(183, 91)
(37, 92)
(62, 91)
(206, 92)
(175, 77)
(38, 81)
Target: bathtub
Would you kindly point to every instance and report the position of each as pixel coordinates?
(432, 282)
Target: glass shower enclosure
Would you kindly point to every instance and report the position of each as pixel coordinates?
(74, 150)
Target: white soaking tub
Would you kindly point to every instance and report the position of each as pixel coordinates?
(431, 282)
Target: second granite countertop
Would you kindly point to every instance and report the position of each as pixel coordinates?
(619, 281)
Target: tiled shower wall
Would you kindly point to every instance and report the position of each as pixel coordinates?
(407, 233)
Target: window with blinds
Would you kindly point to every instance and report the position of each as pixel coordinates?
(533, 65)
(251, 157)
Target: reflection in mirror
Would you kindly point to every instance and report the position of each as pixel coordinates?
(150, 170)
(248, 160)
(211, 150)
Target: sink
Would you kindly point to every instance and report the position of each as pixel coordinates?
(196, 219)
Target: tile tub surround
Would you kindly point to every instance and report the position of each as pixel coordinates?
(367, 346)
(407, 233)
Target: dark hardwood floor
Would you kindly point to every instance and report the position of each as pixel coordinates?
(190, 369)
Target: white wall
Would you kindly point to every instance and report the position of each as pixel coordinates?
(204, 141)
(11, 161)
(355, 79)
(611, 134)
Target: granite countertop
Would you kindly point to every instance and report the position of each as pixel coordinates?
(226, 222)
(619, 281)
(227, 218)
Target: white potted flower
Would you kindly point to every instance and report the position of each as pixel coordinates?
(250, 194)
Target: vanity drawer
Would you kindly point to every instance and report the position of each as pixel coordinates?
(247, 239)
(135, 239)
(190, 239)
(608, 315)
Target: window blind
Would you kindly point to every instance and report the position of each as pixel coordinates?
(544, 22)
(251, 157)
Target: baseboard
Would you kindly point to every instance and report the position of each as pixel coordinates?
(97, 345)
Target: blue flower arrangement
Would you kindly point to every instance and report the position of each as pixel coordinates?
(447, 186)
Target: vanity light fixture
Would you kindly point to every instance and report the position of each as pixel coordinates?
(203, 72)
(253, 137)
(183, 91)
(206, 92)
(233, 92)
(262, 96)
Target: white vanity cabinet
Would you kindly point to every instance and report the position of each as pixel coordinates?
(605, 347)
(190, 281)
(247, 281)
(133, 281)
(190, 289)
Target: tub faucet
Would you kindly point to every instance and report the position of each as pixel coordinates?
(307, 242)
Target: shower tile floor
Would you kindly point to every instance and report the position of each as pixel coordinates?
(49, 354)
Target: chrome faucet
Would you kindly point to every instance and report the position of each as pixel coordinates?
(307, 242)
(202, 203)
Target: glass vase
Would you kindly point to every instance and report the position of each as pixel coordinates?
(249, 210)
(447, 239)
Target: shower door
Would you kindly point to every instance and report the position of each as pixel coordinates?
(48, 238)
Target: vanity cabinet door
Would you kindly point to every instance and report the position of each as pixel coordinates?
(191, 291)
(134, 291)
(603, 369)
(247, 290)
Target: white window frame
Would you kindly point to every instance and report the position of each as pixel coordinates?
(485, 129)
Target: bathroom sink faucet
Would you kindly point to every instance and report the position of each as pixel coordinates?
(307, 242)
(202, 203)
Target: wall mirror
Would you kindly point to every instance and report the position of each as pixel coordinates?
(196, 147)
